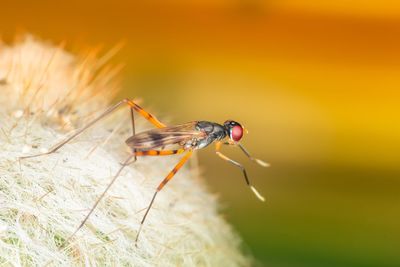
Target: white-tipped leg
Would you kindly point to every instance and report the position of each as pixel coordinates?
(262, 163)
(258, 161)
(237, 164)
(258, 195)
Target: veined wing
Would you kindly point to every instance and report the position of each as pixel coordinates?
(159, 137)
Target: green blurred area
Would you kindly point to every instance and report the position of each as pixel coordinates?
(315, 83)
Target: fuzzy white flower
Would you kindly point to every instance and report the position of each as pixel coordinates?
(47, 92)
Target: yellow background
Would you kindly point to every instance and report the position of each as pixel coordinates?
(316, 83)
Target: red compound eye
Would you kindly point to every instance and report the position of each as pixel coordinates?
(236, 133)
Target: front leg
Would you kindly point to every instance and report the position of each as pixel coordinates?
(240, 166)
(259, 161)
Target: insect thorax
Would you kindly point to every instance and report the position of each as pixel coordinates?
(213, 131)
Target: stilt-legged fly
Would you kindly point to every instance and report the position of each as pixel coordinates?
(186, 138)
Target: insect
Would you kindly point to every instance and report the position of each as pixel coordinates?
(185, 138)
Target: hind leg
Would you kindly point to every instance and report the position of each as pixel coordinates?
(133, 106)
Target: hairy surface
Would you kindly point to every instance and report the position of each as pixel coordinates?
(44, 92)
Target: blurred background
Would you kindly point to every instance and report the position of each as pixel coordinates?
(315, 82)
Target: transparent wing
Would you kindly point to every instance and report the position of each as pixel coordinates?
(160, 137)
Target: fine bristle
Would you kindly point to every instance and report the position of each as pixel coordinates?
(258, 195)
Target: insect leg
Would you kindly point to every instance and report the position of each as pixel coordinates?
(259, 161)
(240, 166)
(159, 152)
(133, 130)
(148, 116)
(127, 162)
(130, 103)
(155, 153)
(161, 185)
(132, 121)
(101, 196)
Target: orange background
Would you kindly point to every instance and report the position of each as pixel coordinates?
(317, 84)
